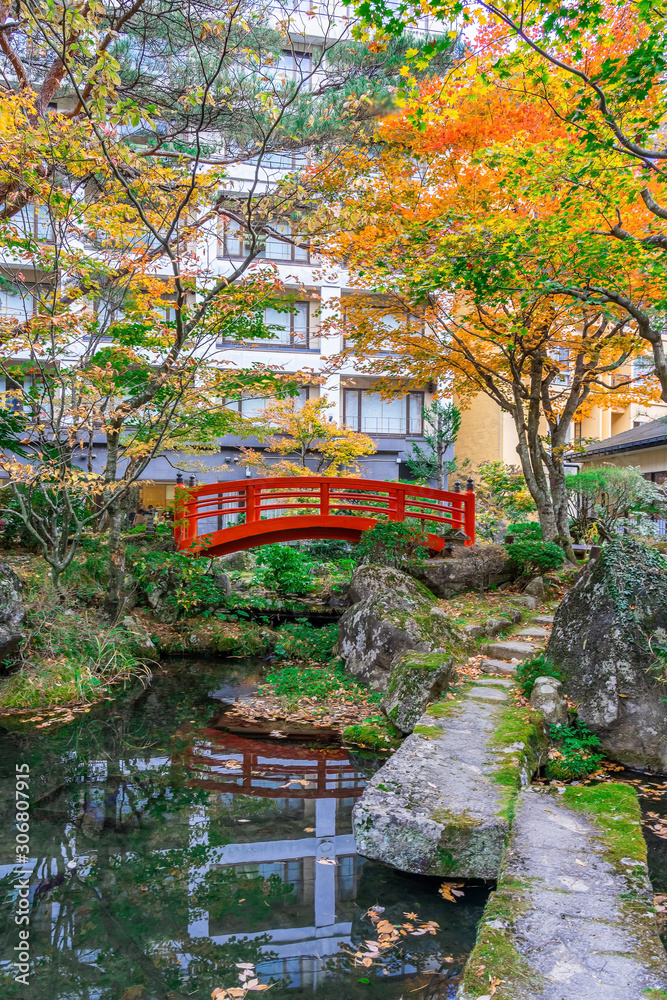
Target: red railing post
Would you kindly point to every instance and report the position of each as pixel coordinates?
(469, 513)
(191, 520)
(250, 503)
(180, 517)
(324, 500)
(400, 505)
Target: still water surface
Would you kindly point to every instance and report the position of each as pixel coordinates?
(197, 850)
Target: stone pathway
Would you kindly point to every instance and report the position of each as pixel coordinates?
(441, 804)
(509, 649)
(572, 918)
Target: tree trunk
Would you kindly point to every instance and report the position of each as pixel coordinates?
(532, 467)
(115, 595)
(115, 598)
(559, 494)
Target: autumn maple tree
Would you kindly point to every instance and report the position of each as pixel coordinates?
(457, 223)
(595, 73)
(118, 126)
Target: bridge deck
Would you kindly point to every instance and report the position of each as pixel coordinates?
(227, 517)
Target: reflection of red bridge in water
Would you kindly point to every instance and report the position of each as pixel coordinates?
(227, 517)
(223, 762)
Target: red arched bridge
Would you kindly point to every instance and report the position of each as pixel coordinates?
(227, 517)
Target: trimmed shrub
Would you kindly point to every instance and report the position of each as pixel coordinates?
(533, 557)
(524, 530)
(392, 543)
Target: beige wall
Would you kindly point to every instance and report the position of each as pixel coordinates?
(648, 459)
(487, 433)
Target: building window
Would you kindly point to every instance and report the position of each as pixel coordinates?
(34, 220)
(232, 243)
(405, 323)
(16, 304)
(578, 430)
(288, 67)
(369, 413)
(252, 406)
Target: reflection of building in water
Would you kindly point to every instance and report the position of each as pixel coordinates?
(306, 791)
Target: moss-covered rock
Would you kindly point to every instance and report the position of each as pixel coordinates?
(609, 642)
(373, 734)
(415, 680)
(475, 568)
(12, 612)
(443, 804)
(396, 615)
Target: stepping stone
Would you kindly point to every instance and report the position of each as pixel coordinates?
(510, 650)
(436, 807)
(533, 633)
(577, 923)
(500, 682)
(497, 667)
(543, 620)
(487, 694)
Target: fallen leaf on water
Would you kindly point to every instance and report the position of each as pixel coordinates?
(309, 829)
(450, 890)
(326, 861)
(578, 861)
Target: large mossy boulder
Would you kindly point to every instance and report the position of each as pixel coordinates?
(609, 641)
(12, 611)
(475, 568)
(415, 680)
(393, 614)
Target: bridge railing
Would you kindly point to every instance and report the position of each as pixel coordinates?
(204, 509)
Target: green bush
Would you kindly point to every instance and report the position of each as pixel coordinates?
(190, 589)
(524, 530)
(529, 670)
(392, 543)
(573, 753)
(302, 641)
(533, 557)
(283, 569)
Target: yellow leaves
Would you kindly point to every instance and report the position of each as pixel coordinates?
(304, 431)
(450, 890)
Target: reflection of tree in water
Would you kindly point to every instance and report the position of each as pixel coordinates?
(135, 900)
(117, 789)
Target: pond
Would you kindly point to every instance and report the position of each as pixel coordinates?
(196, 850)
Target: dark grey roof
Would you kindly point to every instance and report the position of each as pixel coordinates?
(648, 435)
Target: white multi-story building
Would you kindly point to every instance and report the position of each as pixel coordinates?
(303, 343)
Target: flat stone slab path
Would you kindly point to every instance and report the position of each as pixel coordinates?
(441, 804)
(509, 650)
(573, 915)
(543, 620)
(533, 633)
(497, 667)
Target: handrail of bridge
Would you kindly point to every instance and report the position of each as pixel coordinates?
(254, 500)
